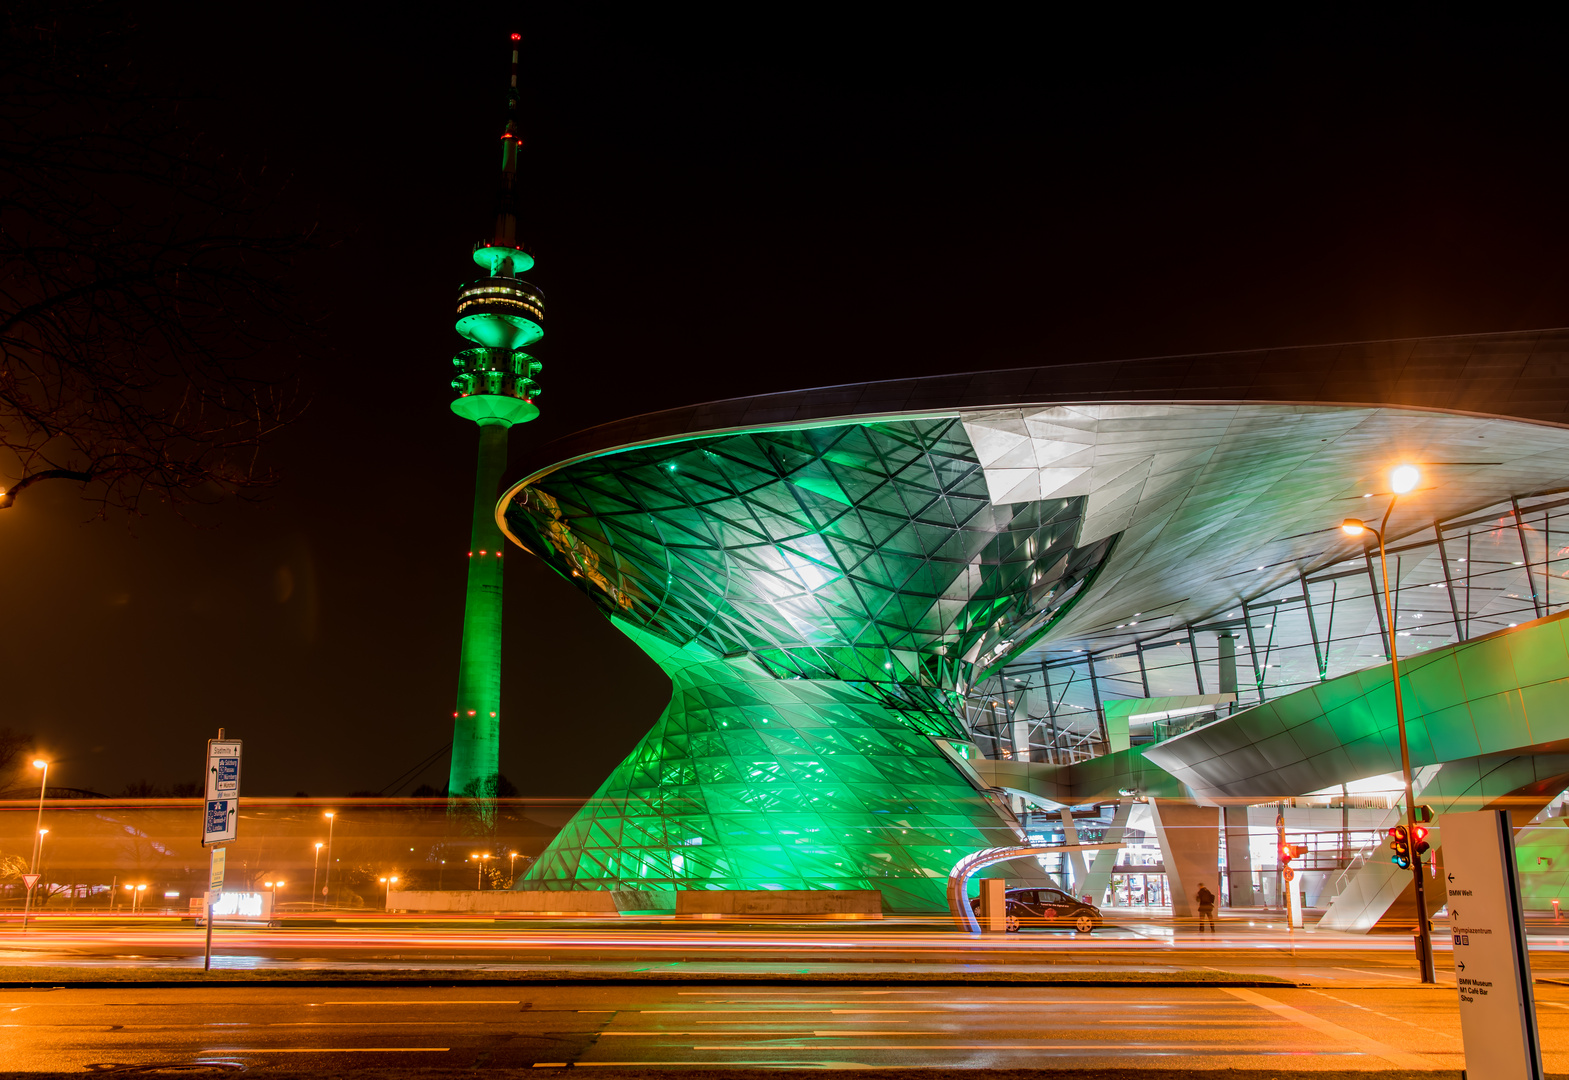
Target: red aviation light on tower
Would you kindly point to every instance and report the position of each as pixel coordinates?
(517, 37)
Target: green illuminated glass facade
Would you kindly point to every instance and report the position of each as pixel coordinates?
(819, 597)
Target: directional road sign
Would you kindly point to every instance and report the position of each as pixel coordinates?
(222, 815)
(220, 821)
(223, 769)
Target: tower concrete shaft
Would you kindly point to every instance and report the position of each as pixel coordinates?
(498, 314)
(476, 730)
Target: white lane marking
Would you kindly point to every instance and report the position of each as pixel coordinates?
(1230, 1024)
(812, 1021)
(1372, 1012)
(1071, 1002)
(1110, 1048)
(475, 1002)
(798, 993)
(764, 1011)
(774, 1034)
(1439, 975)
(337, 1050)
(1365, 1043)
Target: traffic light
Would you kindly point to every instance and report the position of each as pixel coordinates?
(1400, 846)
(1419, 844)
(1424, 813)
(1289, 852)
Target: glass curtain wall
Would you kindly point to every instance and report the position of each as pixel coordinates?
(1456, 580)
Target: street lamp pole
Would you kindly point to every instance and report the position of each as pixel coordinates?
(315, 866)
(1403, 480)
(332, 820)
(38, 840)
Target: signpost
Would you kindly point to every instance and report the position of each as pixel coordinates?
(223, 790)
(1492, 967)
(220, 817)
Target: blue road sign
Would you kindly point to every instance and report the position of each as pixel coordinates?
(219, 822)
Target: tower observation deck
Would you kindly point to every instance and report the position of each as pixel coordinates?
(500, 314)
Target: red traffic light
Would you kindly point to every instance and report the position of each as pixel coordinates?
(1400, 847)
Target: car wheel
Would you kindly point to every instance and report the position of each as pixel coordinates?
(1011, 924)
(1084, 924)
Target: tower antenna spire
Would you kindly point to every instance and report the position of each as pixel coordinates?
(507, 210)
(503, 253)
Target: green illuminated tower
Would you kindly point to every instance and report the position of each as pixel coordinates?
(500, 314)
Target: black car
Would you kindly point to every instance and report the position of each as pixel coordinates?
(1045, 907)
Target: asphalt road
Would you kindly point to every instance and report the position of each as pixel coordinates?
(382, 1031)
(1319, 959)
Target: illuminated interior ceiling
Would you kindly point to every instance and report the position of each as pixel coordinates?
(897, 544)
(1214, 502)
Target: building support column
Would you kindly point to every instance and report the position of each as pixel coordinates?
(1239, 857)
(1227, 662)
(1099, 877)
(1189, 838)
(1070, 835)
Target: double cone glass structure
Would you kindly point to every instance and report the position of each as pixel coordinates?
(811, 594)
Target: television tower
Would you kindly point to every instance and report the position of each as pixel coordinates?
(500, 314)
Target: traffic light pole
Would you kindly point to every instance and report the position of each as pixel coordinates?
(1424, 935)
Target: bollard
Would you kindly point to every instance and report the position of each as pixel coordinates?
(994, 905)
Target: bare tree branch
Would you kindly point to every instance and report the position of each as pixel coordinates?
(145, 312)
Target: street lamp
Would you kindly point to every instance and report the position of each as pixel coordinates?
(38, 839)
(389, 882)
(315, 859)
(332, 820)
(1403, 479)
(479, 875)
(275, 886)
(514, 870)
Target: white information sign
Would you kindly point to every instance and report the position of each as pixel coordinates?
(215, 877)
(223, 769)
(221, 817)
(1492, 967)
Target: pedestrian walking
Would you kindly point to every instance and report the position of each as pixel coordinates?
(1206, 901)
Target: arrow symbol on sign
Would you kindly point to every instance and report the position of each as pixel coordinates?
(1460, 964)
(1451, 879)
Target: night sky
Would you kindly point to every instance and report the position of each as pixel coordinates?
(726, 204)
